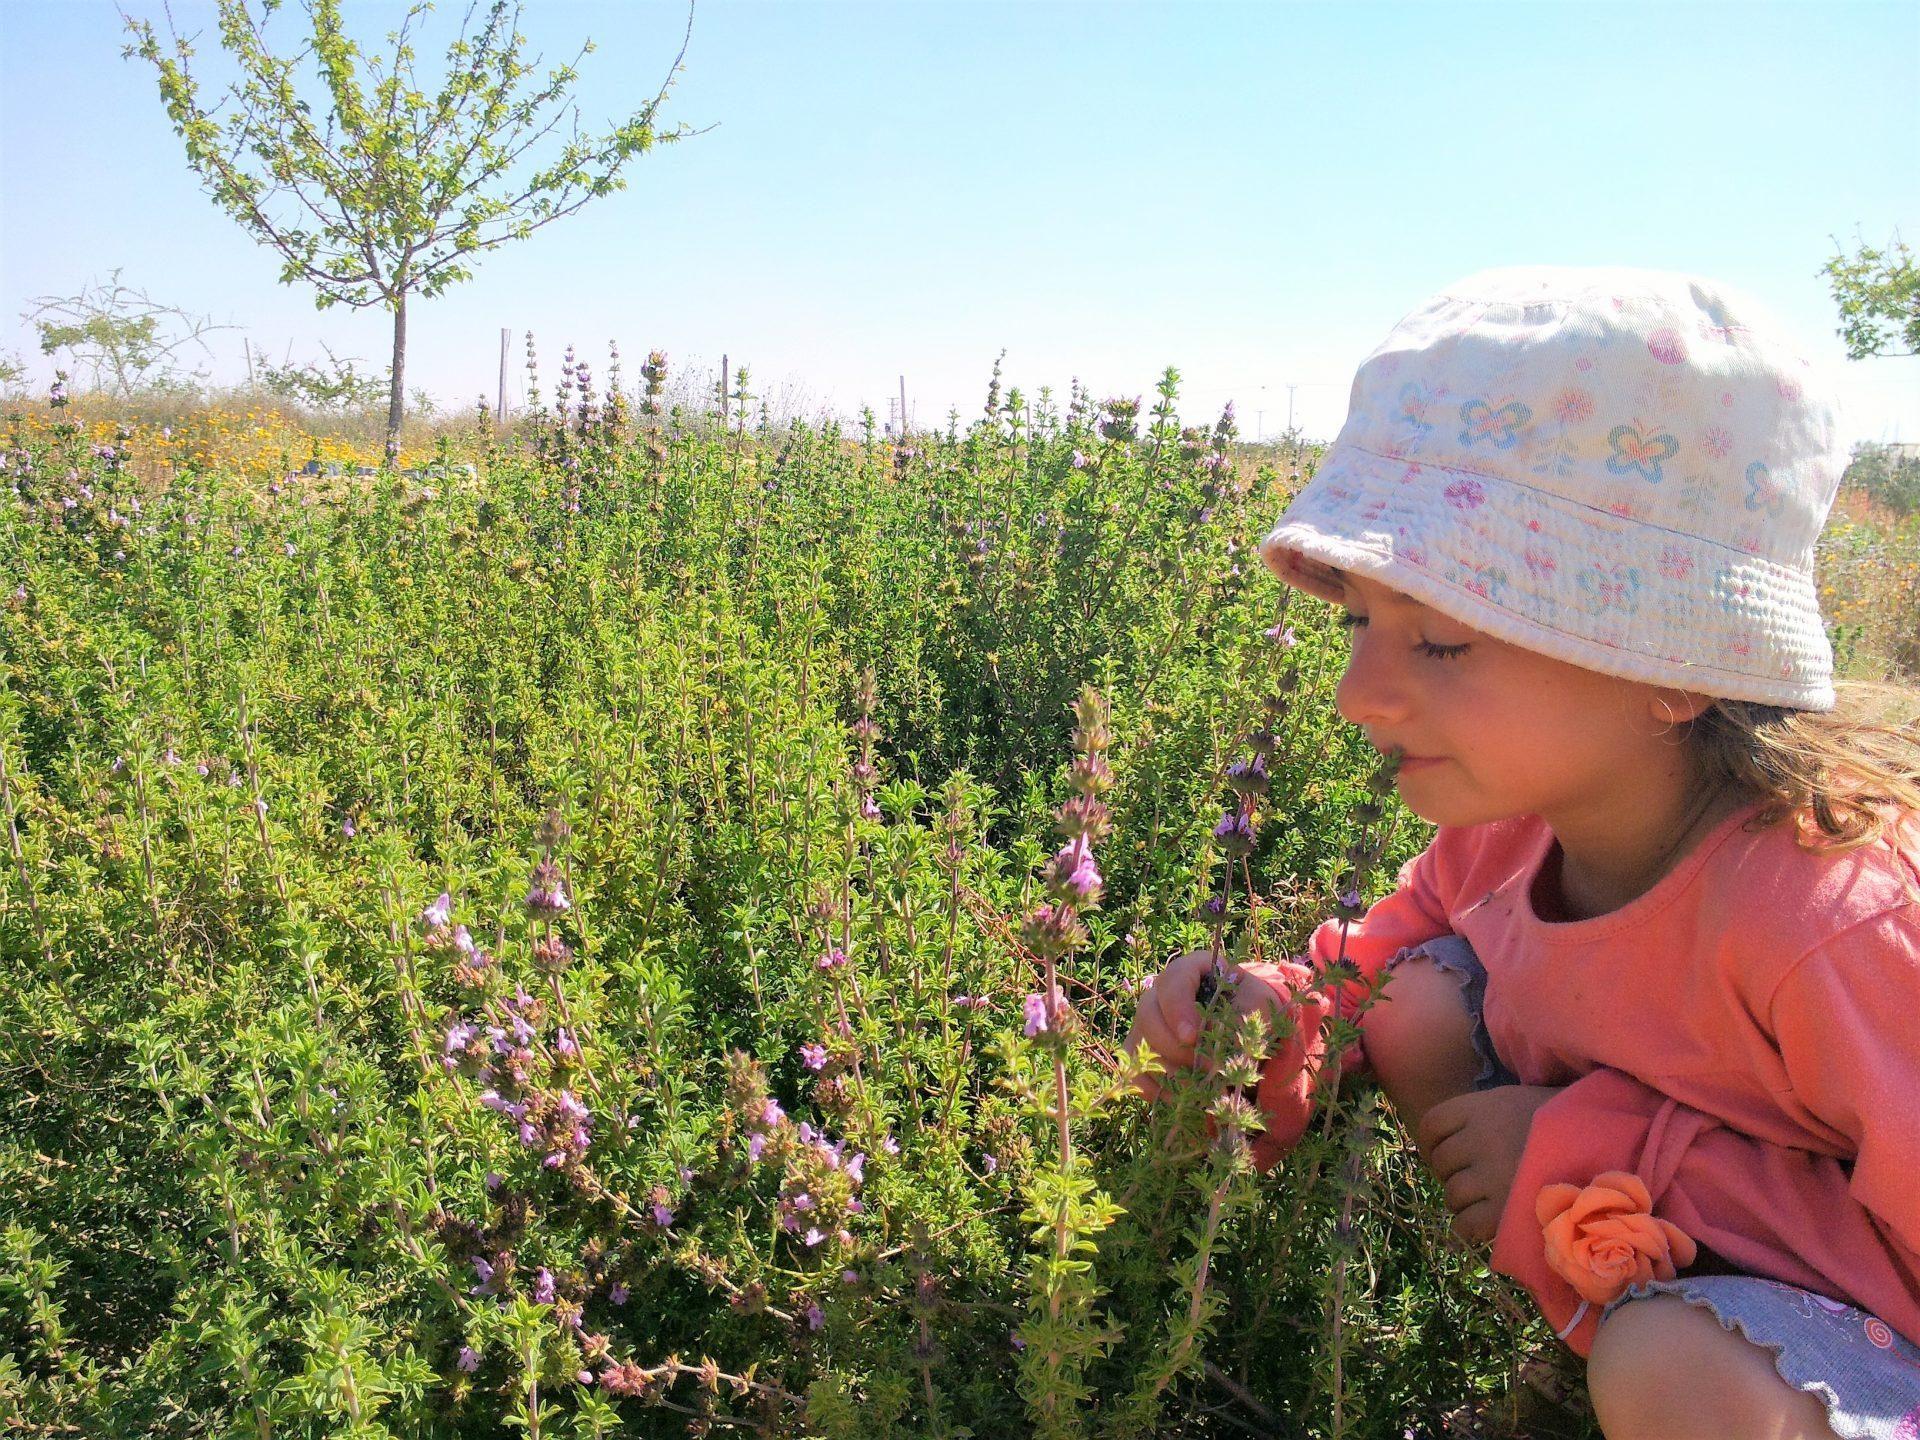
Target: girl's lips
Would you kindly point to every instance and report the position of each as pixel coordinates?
(1415, 762)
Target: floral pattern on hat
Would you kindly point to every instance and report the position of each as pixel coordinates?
(1624, 469)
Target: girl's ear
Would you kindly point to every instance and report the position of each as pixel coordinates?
(1676, 707)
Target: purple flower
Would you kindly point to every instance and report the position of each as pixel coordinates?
(1283, 636)
(1036, 1006)
(992, 1163)
(849, 1277)
(756, 1142)
(494, 1179)
(543, 1287)
(834, 959)
(816, 1317)
(619, 1294)
(1072, 873)
(348, 829)
(813, 1236)
(483, 1272)
(868, 810)
(469, 1360)
(547, 893)
(890, 1145)
(662, 1216)
(439, 913)
(856, 1169)
(814, 1056)
(1235, 833)
(771, 1114)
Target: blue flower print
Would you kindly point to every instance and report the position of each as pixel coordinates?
(1636, 452)
(1611, 586)
(1499, 428)
(1763, 491)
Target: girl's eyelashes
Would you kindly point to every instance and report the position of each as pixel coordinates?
(1347, 620)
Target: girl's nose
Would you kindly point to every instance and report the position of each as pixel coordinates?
(1373, 692)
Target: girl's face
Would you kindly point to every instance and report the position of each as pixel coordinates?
(1491, 730)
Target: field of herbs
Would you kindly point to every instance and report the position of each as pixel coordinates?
(626, 927)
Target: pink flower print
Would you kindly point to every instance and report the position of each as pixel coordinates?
(1640, 453)
(1725, 333)
(1666, 346)
(1789, 389)
(1675, 563)
(1499, 428)
(1583, 364)
(1726, 399)
(1412, 473)
(1573, 406)
(1534, 525)
(1741, 644)
(1466, 494)
(1749, 543)
(1764, 492)
(1909, 1426)
(1417, 556)
(1374, 510)
(1718, 442)
(1540, 564)
(1622, 508)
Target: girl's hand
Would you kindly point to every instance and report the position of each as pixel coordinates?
(1474, 1143)
(1168, 1017)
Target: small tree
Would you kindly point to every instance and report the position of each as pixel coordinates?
(396, 192)
(1878, 293)
(115, 334)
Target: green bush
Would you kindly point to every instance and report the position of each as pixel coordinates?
(458, 940)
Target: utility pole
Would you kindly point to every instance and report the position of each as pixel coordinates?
(500, 404)
(1292, 385)
(723, 390)
(903, 407)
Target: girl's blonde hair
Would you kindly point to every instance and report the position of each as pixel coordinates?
(1846, 776)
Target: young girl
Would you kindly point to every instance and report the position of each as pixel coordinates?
(1653, 1015)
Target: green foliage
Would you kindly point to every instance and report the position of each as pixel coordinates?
(1889, 474)
(1878, 292)
(737, 754)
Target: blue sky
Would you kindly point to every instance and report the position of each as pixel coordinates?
(1251, 192)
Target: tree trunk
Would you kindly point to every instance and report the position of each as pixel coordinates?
(396, 398)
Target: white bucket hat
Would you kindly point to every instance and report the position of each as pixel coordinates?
(1623, 469)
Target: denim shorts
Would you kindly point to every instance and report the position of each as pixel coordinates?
(1866, 1374)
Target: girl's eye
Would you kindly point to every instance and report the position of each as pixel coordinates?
(1349, 621)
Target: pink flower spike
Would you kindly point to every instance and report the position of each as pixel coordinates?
(814, 1056)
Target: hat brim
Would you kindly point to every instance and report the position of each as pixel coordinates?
(1507, 559)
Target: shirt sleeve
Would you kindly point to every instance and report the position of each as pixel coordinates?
(1415, 910)
(1847, 1020)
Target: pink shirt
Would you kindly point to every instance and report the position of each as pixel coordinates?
(1774, 994)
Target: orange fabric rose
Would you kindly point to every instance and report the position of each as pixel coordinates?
(1604, 1238)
